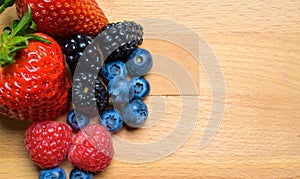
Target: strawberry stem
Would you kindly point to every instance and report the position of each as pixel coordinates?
(17, 37)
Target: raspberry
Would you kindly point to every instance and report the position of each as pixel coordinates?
(48, 142)
(91, 149)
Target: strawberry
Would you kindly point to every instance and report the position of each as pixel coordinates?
(33, 80)
(91, 149)
(64, 17)
(48, 142)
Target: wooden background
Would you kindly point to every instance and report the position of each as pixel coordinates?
(257, 44)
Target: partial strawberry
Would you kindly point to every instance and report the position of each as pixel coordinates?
(91, 149)
(64, 17)
(33, 79)
(48, 142)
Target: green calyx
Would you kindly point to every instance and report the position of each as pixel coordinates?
(5, 4)
(17, 37)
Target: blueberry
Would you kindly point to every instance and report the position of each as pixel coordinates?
(139, 62)
(80, 174)
(141, 87)
(54, 173)
(111, 120)
(135, 113)
(114, 69)
(120, 91)
(77, 120)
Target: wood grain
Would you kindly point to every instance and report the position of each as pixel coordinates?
(257, 44)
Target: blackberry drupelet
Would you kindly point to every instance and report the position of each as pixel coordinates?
(74, 47)
(121, 38)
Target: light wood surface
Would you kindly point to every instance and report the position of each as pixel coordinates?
(257, 44)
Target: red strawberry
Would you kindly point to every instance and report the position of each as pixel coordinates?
(33, 81)
(65, 17)
(91, 149)
(48, 142)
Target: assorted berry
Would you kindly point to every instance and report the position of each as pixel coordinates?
(141, 87)
(35, 86)
(114, 69)
(101, 94)
(33, 82)
(135, 113)
(111, 120)
(74, 47)
(120, 91)
(48, 142)
(53, 173)
(88, 90)
(64, 18)
(77, 121)
(91, 149)
(139, 62)
(76, 173)
(121, 38)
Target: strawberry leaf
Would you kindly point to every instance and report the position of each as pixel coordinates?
(17, 37)
(15, 23)
(17, 40)
(37, 38)
(1, 2)
(23, 24)
(5, 4)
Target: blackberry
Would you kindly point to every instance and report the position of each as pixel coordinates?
(101, 94)
(74, 47)
(121, 38)
(85, 81)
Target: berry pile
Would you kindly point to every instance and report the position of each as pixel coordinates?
(35, 85)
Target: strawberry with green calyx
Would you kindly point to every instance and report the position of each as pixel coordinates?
(33, 80)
